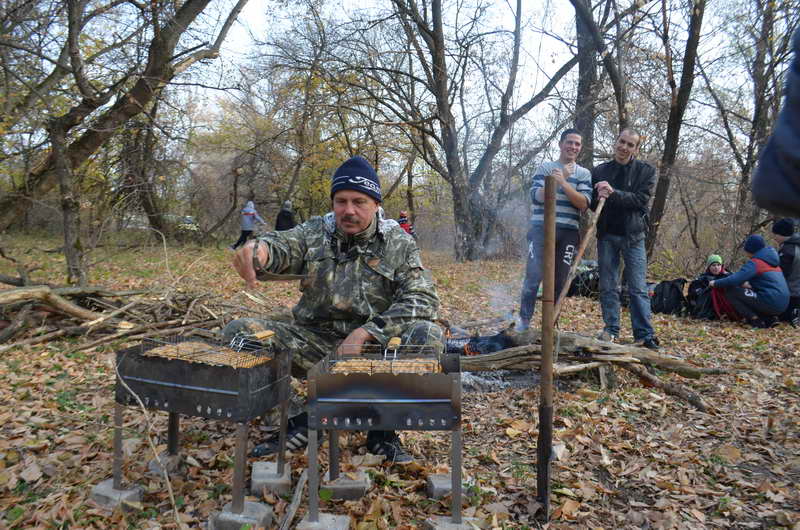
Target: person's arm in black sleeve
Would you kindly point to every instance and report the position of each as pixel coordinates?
(787, 260)
(595, 196)
(776, 181)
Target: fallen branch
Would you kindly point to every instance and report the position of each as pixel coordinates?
(48, 296)
(673, 389)
(286, 522)
(141, 332)
(564, 369)
(18, 324)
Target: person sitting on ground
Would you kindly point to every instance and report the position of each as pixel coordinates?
(285, 219)
(699, 296)
(363, 283)
(248, 221)
(405, 224)
(789, 254)
(758, 290)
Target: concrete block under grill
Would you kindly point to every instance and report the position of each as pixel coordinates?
(442, 522)
(105, 496)
(327, 521)
(254, 514)
(439, 485)
(349, 486)
(264, 475)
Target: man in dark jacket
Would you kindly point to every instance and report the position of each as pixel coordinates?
(789, 254)
(627, 184)
(776, 182)
(285, 219)
(758, 290)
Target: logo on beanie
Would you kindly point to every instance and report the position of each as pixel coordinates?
(362, 182)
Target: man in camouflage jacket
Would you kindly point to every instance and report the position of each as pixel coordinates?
(363, 282)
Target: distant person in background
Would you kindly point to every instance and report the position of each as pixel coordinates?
(248, 222)
(758, 290)
(573, 193)
(776, 181)
(405, 224)
(789, 254)
(285, 220)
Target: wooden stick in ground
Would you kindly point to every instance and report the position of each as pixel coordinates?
(581, 249)
(544, 443)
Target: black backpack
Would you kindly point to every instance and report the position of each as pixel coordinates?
(668, 297)
(586, 283)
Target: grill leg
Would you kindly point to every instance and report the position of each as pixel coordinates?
(333, 441)
(455, 473)
(237, 506)
(172, 433)
(282, 439)
(313, 477)
(117, 446)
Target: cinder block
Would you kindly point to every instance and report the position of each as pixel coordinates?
(105, 496)
(439, 485)
(445, 522)
(171, 462)
(265, 475)
(346, 487)
(327, 521)
(255, 514)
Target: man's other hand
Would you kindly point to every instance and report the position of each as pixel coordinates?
(243, 262)
(604, 189)
(353, 343)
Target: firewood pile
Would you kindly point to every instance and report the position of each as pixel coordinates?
(36, 314)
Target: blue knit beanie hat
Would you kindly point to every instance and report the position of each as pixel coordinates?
(754, 243)
(357, 174)
(783, 227)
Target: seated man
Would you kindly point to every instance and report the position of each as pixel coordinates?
(757, 291)
(364, 282)
(789, 253)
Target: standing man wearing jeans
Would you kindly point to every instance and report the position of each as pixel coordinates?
(573, 193)
(627, 184)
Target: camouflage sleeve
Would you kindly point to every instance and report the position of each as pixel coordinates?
(287, 250)
(414, 299)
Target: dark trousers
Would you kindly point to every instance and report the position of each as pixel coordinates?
(567, 241)
(243, 237)
(747, 304)
(793, 311)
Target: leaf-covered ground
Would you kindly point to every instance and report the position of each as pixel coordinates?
(630, 457)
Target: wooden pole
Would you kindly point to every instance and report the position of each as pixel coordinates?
(544, 448)
(576, 260)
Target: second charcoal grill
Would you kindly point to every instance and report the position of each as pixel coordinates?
(395, 388)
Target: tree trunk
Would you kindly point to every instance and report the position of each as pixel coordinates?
(677, 108)
(70, 206)
(586, 98)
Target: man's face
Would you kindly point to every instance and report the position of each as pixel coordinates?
(570, 147)
(354, 211)
(779, 239)
(627, 146)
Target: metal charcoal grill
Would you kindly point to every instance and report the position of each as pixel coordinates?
(394, 388)
(234, 382)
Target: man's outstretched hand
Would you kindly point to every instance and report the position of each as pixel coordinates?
(353, 343)
(243, 262)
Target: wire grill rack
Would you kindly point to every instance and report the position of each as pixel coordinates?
(243, 351)
(378, 359)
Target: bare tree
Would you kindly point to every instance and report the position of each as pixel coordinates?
(679, 100)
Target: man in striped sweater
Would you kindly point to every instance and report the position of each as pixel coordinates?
(573, 194)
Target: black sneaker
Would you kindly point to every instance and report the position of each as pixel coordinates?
(296, 438)
(391, 448)
(649, 343)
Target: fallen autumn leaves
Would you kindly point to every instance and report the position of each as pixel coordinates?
(627, 458)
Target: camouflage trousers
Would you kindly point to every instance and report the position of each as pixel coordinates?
(309, 345)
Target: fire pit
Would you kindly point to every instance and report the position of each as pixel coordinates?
(397, 388)
(232, 382)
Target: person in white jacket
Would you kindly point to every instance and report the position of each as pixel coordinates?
(249, 218)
